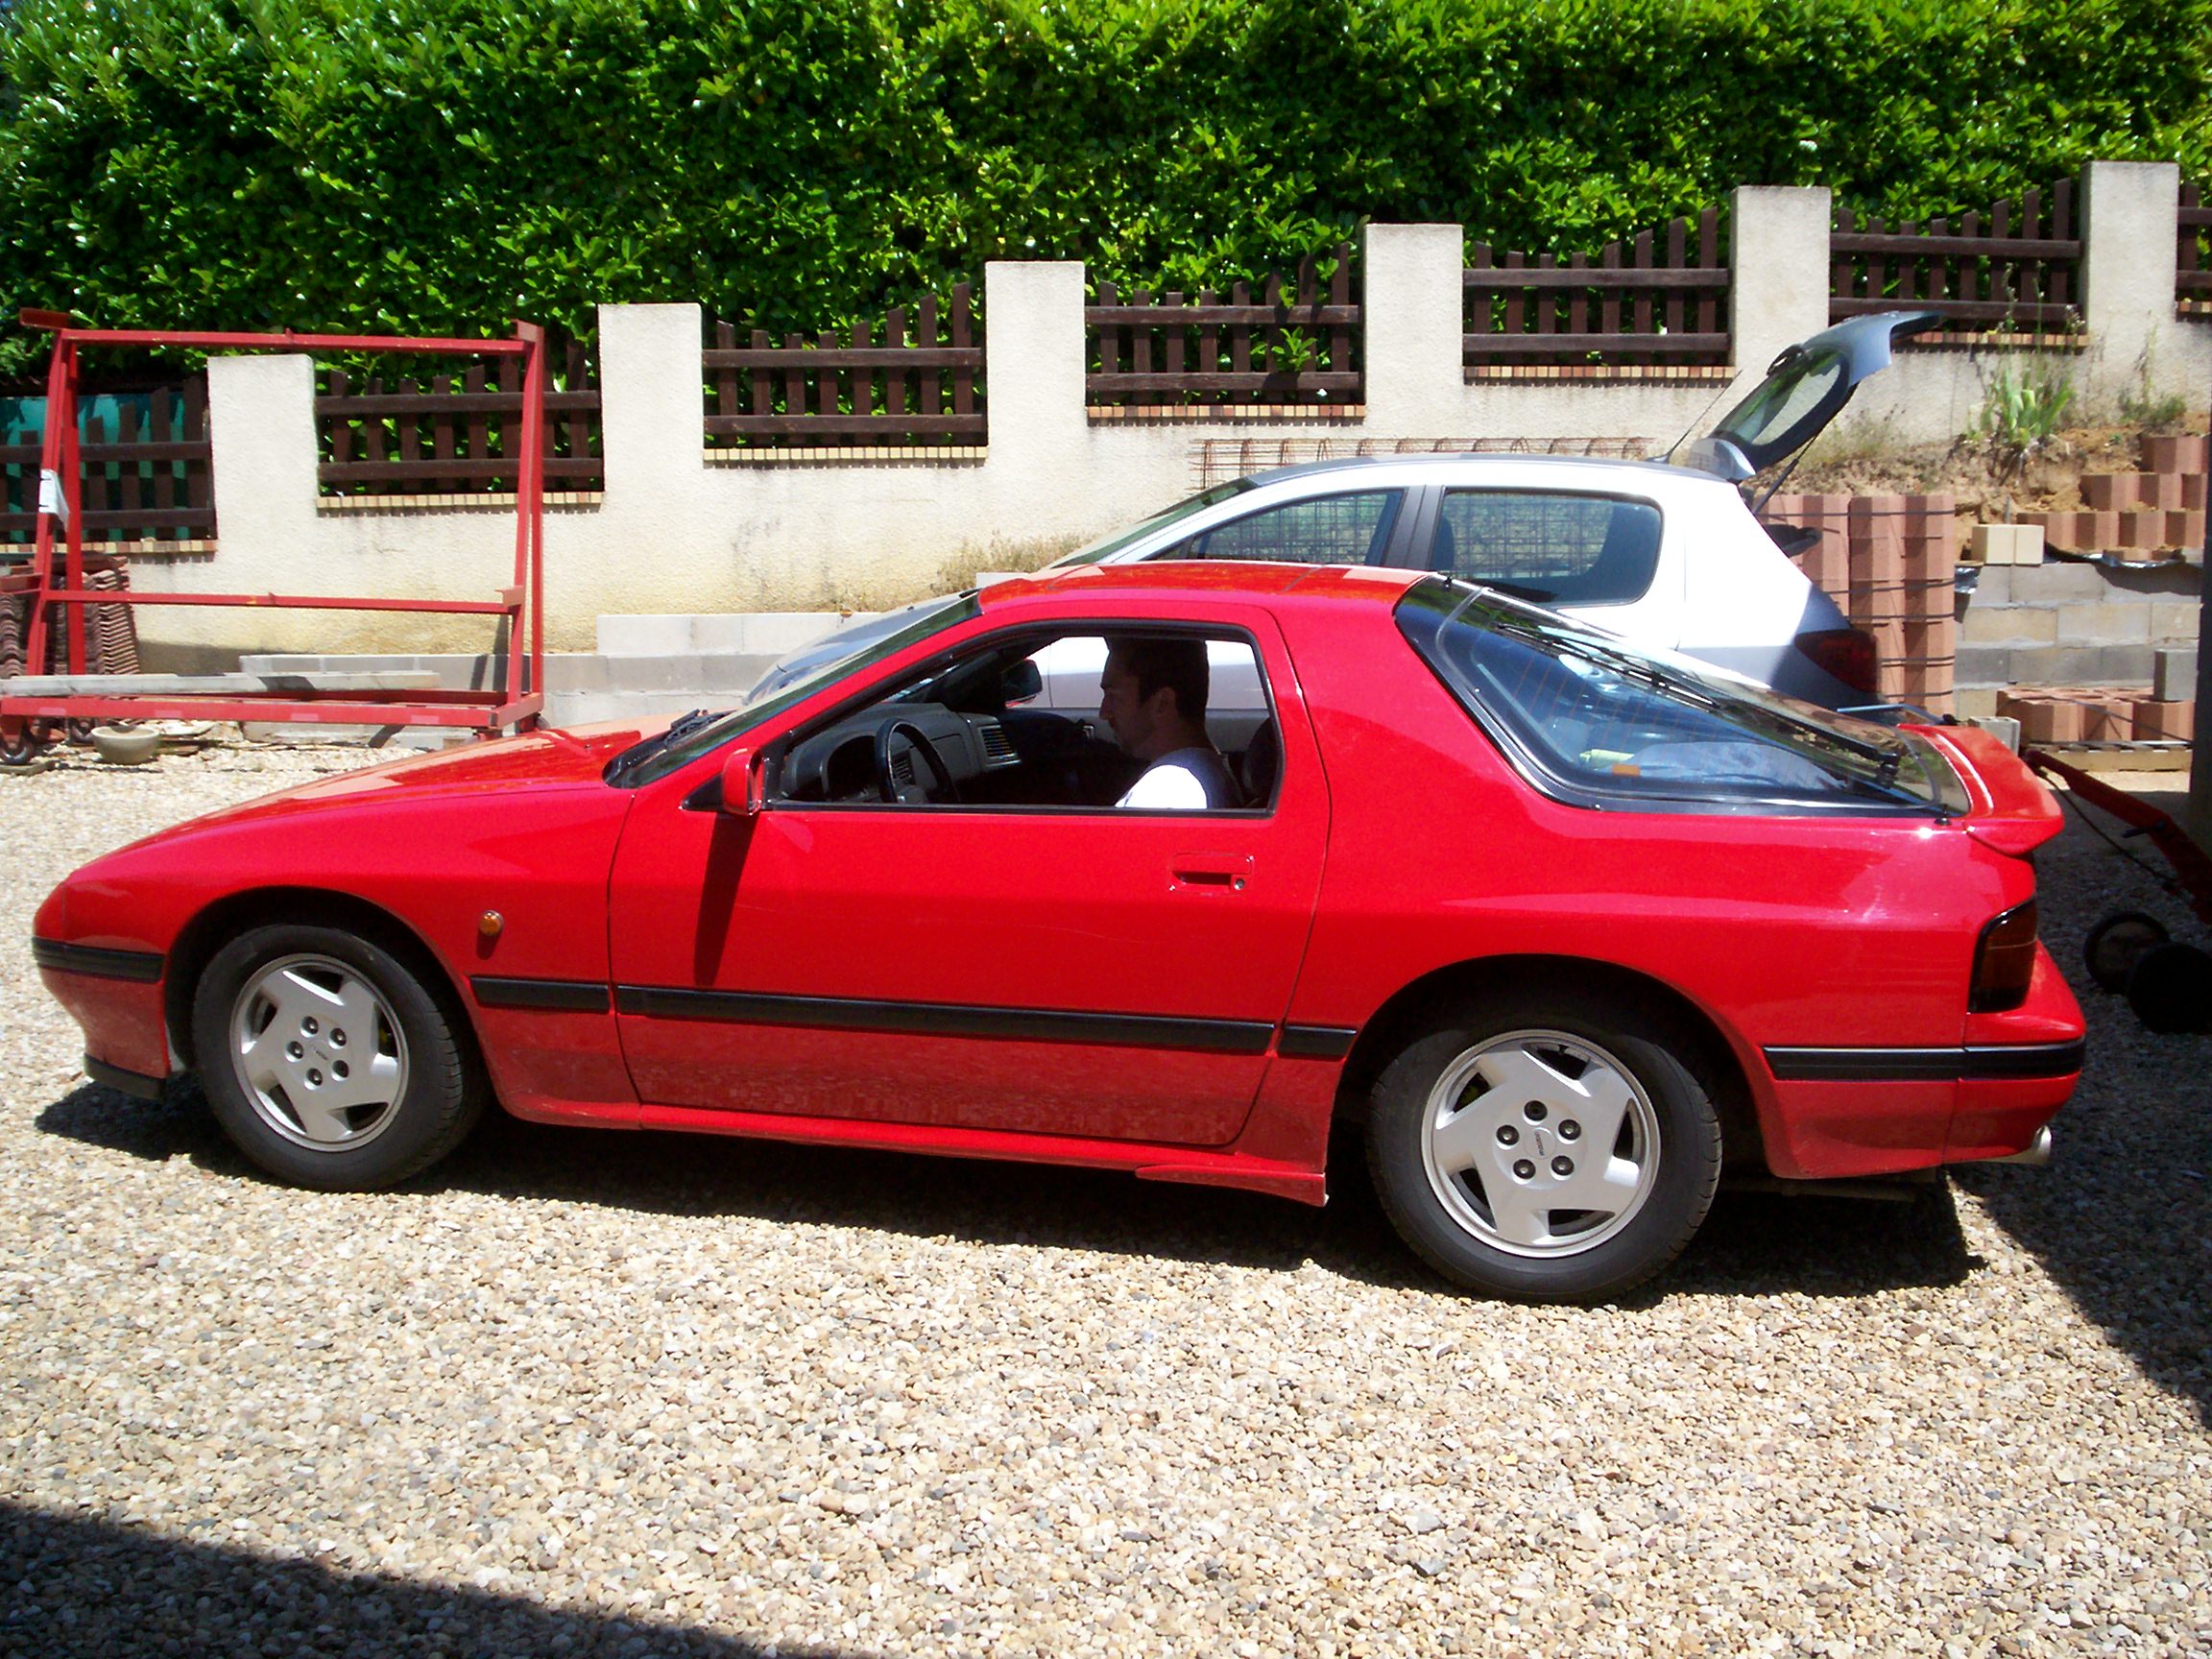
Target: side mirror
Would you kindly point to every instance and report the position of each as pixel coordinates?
(744, 787)
(1021, 681)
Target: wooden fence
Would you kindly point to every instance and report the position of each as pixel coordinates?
(918, 387)
(1638, 303)
(1150, 351)
(2016, 270)
(2193, 254)
(430, 433)
(145, 452)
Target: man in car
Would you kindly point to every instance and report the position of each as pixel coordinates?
(1152, 695)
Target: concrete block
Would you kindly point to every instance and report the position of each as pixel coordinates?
(2003, 727)
(2109, 491)
(1994, 586)
(2009, 624)
(2174, 621)
(2173, 673)
(2140, 529)
(2184, 530)
(2174, 453)
(2057, 584)
(2193, 489)
(2121, 665)
(2065, 664)
(1974, 703)
(2008, 543)
(2047, 721)
(2158, 720)
(1985, 664)
(2103, 622)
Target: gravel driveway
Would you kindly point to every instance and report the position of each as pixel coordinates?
(601, 1393)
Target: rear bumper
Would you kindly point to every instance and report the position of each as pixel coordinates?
(1866, 1111)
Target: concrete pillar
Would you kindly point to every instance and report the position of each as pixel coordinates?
(651, 403)
(2131, 215)
(261, 421)
(1415, 314)
(1778, 270)
(1033, 363)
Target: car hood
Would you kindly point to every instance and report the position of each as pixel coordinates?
(1806, 387)
(531, 761)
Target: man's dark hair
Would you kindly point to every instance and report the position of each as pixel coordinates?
(1178, 663)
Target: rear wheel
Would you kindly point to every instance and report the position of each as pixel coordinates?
(328, 1061)
(1548, 1148)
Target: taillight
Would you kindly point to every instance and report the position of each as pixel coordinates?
(1846, 653)
(2004, 961)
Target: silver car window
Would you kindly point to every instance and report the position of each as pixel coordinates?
(1555, 549)
(1349, 529)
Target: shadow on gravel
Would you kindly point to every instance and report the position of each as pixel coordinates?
(2122, 1219)
(1751, 1244)
(77, 1586)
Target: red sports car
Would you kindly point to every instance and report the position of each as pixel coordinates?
(1565, 927)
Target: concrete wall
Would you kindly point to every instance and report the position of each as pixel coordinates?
(679, 532)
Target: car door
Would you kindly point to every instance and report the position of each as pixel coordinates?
(1084, 972)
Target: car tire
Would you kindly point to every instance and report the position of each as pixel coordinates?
(1492, 1111)
(328, 1062)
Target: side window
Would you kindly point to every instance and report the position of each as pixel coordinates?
(1029, 721)
(1555, 549)
(1326, 530)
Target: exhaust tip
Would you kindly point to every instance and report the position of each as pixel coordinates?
(2037, 1154)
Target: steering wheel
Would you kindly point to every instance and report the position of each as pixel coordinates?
(919, 741)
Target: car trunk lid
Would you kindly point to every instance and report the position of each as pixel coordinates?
(1806, 388)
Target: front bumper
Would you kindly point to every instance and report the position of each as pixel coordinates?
(117, 996)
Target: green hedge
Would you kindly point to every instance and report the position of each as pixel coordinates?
(446, 164)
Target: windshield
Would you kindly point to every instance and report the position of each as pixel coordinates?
(1106, 546)
(1601, 718)
(792, 681)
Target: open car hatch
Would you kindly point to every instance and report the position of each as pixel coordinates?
(1806, 387)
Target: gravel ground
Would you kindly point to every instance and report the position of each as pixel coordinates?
(581, 1393)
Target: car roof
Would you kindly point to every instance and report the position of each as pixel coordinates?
(1459, 460)
(1183, 579)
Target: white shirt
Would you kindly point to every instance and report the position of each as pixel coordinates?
(1189, 780)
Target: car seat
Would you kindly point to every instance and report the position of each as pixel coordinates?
(1257, 768)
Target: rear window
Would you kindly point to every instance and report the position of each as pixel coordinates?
(1600, 724)
(1552, 549)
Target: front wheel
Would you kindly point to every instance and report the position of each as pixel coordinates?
(1545, 1148)
(328, 1061)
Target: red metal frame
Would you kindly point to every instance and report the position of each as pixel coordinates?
(64, 603)
(2192, 865)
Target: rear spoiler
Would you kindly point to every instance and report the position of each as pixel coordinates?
(2013, 811)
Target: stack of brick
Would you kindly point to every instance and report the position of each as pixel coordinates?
(1888, 561)
(2096, 714)
(2139, 517)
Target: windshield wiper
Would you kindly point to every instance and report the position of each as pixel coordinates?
(683, 726)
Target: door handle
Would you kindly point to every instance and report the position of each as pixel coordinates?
(1209, 872)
